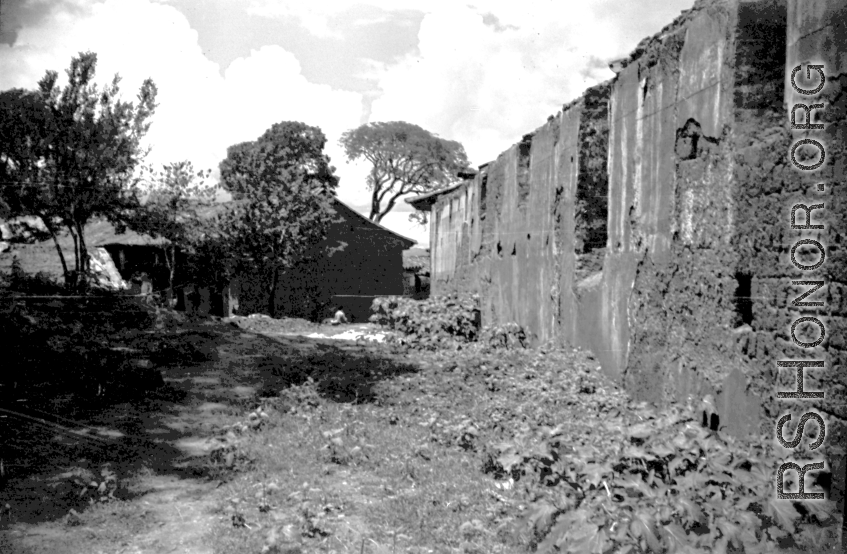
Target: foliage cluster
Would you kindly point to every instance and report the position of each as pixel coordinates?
(442, 321)
(602, 474)
(80, 333)
(438, 321)
(658, 483)
(171, 201)
(17, 281)
(405, 159)
(508, 335)
(70, 154)
(284, 187)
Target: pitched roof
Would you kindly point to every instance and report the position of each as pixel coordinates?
(425, 201)
(102, 233)
(367, 224)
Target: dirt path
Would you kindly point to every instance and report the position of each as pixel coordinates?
(159, 442)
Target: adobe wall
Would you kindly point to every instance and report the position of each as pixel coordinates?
(695, 293)
(817, 34)
(508, 234)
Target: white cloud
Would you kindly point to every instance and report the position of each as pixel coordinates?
(486, 85)
(481, 75)
(311, 15)
(200, 112)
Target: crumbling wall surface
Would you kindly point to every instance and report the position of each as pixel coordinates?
(563, 208)
(695, 293)
(674, 177)
(817, 34)
(516, 246)
(592, 191)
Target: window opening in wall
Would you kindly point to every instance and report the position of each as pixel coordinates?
(524, 148)
(743, 300)
(483, 192)
(711, 420)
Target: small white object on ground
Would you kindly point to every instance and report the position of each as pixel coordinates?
(351, 334)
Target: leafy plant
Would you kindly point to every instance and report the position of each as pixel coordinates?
(508, 335)
(662, 484)
(438, 321)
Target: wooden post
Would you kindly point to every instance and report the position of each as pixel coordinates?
(189, 300)
(229, 296)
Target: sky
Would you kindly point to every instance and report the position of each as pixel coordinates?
(481, 73)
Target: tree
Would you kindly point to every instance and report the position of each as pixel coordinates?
(405, 159)
(25, 122)
(169, 208)
(283, 188)
(84, 145)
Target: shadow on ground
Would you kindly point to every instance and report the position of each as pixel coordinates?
(53, 448)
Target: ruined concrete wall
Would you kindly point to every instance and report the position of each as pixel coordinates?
(509, 233)
(695, 293)
(667, 288)
(817, 34)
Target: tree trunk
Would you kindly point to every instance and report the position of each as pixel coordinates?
(75, 277)
(374, 196)
(374, 208)
(272, 292)
(52, 231)
(170, 262)
(82, 280)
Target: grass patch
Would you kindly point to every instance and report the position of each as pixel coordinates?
(402, 468)
(496, 450)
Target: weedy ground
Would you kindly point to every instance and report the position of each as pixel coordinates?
(305, 446)
(409, 466)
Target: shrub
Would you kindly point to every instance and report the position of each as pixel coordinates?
(508, 335)
(435, 322)
(669, 486)
(40, 284)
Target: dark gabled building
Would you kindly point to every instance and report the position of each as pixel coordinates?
(358, 261)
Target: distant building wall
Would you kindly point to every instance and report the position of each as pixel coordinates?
(357, 262)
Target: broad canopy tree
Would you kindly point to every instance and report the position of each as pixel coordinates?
(405, 159)
(70, 154)
(283, 187)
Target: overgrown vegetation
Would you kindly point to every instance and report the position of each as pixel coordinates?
(81, 335)
(491, 448)
(496, 448)
(447, 321)
(436, 321)
(661, 484)
(70, 154)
